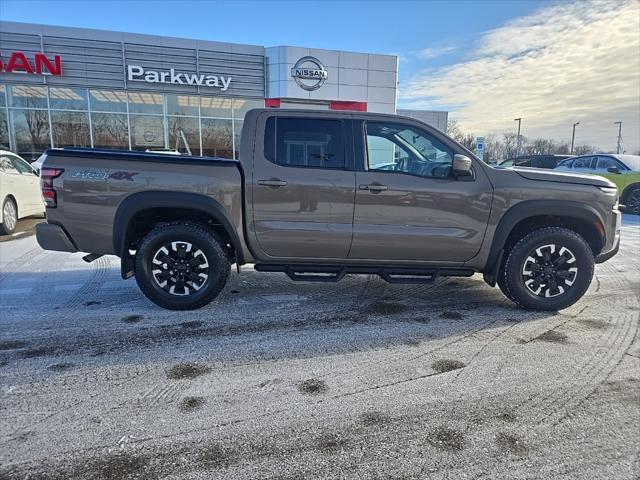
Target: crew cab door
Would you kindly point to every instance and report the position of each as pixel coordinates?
(409, 206)
(303, 187)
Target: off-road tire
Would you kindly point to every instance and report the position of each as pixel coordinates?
(201, 239)
(631, 200)
(6, 228)
(512, 281)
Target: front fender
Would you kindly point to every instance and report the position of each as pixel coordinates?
(529, 209)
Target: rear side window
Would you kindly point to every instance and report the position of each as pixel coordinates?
(299, 142)
(582, 162)
(6, 166)
(21, 165)
(566, 163)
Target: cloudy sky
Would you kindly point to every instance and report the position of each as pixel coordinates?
(551, 62)
(564, 63)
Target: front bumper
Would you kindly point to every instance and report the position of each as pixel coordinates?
(611, 248)
(53, 237)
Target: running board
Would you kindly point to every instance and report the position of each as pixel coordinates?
(335, 273)
(91, 257)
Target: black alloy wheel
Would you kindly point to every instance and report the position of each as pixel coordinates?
(180, 269)
(550, 270)
(181, 266)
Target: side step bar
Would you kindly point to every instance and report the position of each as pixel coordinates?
(335, 273)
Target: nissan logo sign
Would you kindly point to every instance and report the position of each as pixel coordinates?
(309, 73)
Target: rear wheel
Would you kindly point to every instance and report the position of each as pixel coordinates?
(548, 269)
(181, 266)
(9, 217)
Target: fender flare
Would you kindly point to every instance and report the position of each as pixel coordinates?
(534, 208)
(140, 201)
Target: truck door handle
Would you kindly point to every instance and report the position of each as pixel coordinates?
(374, 187)
(272, 182)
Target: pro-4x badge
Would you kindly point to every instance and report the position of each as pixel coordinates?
(123, 175)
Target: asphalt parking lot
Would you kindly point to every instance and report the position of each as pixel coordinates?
(359, 379)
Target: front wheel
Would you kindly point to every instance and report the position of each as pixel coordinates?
(548, 269)
(181, 266)
(632, 200)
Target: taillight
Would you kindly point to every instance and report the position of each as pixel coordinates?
(46, 185)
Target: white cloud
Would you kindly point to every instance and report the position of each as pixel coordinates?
(428, 53)
(567, 63)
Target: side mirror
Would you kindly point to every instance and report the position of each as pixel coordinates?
(613, 170)
(461, 166)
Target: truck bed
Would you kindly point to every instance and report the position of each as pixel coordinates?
(95, 184)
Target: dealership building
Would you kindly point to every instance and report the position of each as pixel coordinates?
(63, 86)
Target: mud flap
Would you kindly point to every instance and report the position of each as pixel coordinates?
(491, 275)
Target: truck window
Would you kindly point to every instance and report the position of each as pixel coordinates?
(299, 142)
(405, 149)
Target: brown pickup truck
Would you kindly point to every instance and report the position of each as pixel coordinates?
(317, 195)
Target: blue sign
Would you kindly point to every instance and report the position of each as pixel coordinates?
(480, 147)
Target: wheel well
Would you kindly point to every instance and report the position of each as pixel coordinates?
(146, 220)
(592, 233)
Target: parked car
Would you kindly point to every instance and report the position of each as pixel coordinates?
(313, 196)
(535, 161)
(19, 191)
(623, 170)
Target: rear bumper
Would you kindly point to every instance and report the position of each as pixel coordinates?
(612, 246)
(53, 237)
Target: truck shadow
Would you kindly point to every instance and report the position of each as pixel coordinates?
(258, 316)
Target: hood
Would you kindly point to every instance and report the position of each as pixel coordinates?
(563, 177)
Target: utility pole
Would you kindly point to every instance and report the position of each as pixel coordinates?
(573, 136)
(519, 120)
(619, 135)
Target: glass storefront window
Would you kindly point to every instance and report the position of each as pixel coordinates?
(147, 131)
(156, 120)
(140, 102)
(217, 138)
(186, 105)
(181, 130)
(4, 130)
(67, 98)
(27, 97)
(110, 130)
(108, 101)
(242, 105)
(30, 130)
(215, 107)
(70, 129)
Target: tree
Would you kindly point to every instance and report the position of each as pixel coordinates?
(585, 149)
(510, 144)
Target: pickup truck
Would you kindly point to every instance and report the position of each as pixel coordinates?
(320, 194)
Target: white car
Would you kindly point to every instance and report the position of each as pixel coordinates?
(19, 191)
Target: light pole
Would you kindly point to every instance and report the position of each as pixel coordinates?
(519, 120)
(619, 135)
(573, 135)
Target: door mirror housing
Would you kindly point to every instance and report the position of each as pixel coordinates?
(613, 170)
(461, 166)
